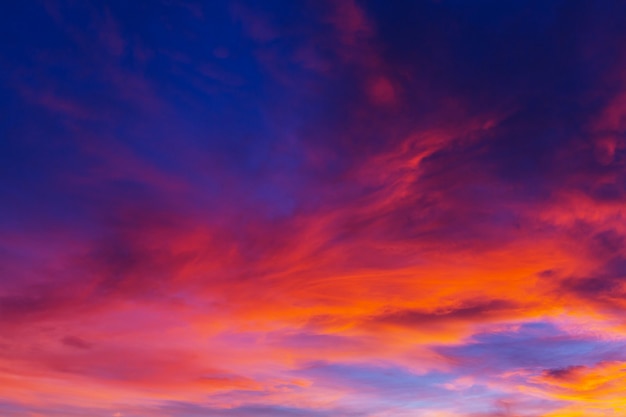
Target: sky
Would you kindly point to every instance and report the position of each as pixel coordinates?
(315, 208)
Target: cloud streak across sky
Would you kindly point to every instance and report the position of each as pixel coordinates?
(310, 209)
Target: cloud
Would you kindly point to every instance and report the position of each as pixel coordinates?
(75, 342)
(278, 208)
(591, 390)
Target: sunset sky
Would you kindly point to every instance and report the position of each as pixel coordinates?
(313, 208)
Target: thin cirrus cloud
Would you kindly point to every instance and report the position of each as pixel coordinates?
(360, 208)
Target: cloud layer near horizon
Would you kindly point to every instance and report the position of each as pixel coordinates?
(277, 208)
